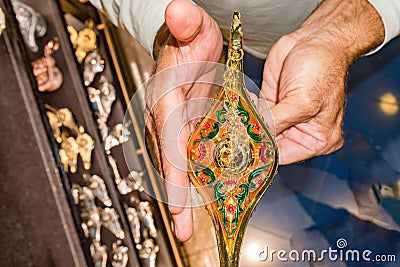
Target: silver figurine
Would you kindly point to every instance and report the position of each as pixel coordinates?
(148, 252)
(90, 214)
(117, 136)
(31, 24)
(109, 219)
(133, 181)
(119, 254)
(146, 217)
(92, 65)
(134, 221)
(102, 99)
(99, 254)
(99, 189)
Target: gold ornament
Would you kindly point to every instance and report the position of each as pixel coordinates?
(232, 155)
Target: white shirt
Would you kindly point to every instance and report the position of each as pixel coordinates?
(264, 21)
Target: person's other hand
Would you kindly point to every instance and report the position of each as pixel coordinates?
(194, 36)
(305, 76)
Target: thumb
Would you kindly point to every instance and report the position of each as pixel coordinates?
(184, 20)
(293, 110)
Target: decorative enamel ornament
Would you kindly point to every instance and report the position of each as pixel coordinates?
(232, 155)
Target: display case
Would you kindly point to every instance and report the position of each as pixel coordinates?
(66, 86)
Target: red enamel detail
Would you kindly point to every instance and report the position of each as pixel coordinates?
(230, 208)
(234, 97)
(230, 183)
(202, 152)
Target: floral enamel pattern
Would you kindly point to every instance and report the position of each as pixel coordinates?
(232, 155)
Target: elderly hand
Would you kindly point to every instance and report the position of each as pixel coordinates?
(305, 76)
(195, 37)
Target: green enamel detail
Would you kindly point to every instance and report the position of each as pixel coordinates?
(210, 136)
(220, 114)
(204, 169)
(242, 112)
(254, 136)
(241, 197)
(218, 194)
(255, 173)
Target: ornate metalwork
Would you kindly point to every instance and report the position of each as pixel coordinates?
(86, 146)
(119, 256)
(31, 24)
(98, 186)
(83, 41)
(69, 154)
(109, 218)
(94, 217)
(134, 221)
(132, 182)
(148, 252)
(102, 100)
(90, 213)
(146, 217)
(118, 135)
(232, 155)
(48, 76)
(70, 147)
(99, 254)
(92, 65)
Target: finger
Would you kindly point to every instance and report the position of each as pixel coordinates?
(297, 145)
(173, 140)
(290, 151)
(184, 20)
(183, 224)
(264, 108)
(273, 67)
(295, 109)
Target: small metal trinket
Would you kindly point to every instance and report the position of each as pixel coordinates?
(31, 24)
(69, 154)
(83, 41)
(117, 136)
(119, 254)
(90, 214)
(99, 254)
(114, 167)
(86, 146)
(134, 221)
(92, 65)
(146, 217)
(148, 252)
(66, 118)
(98, 186)
(2, 21)
(102, 100)
(55, 125)
(60, 120)
(109, 220)
(91, 225)
(48, 76)
(133, 181)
